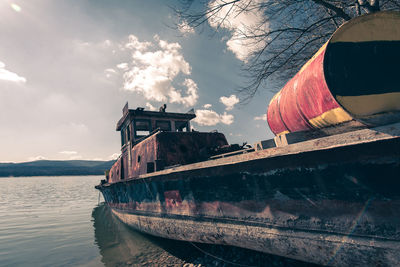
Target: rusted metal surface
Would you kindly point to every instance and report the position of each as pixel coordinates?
(114, 174)
(333, 249)
(184, 148)
(333, 200)
(353, 76)
(303, 98)
(168, 149)
(164, 149)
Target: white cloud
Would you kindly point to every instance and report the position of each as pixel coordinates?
(239, 23)
(262, 117)
(15, 7)
(206, 117)
(229, 102)
(226, 118)
(135, 44)
(150, 106)
(107, 43)
(66, 152)
(207, 106)
(10, 76)
(191, 94)
(154, 69)
(109, 72)
(123, 66)
(36, 158)
(185, 28)
(114, 156)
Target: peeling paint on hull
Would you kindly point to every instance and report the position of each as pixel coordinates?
(333, 248)
(322, 203)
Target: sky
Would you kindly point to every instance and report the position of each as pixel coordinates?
(67, 68)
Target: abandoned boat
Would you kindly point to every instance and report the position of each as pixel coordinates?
(325, 190)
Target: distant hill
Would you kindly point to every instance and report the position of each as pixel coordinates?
(55, 168)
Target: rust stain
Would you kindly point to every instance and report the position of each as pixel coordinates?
(172, 198)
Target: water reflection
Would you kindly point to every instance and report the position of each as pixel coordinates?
(121, 246)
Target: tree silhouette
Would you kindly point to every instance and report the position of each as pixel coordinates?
(278, 36)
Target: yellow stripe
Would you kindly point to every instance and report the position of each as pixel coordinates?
(331, 117)
(284, 132)
(275, 96)
(380, 26)
(364, 105)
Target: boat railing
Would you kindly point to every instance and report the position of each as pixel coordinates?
(229, 154)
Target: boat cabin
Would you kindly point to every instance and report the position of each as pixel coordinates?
(152, 141)
(137, 124)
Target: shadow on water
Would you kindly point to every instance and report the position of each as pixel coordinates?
(122, 246)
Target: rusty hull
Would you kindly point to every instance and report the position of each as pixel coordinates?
(333, 200)
(164, 149)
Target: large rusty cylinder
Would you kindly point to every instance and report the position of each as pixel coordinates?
(354, 76)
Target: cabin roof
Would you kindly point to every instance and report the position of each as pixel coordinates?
(144, 114)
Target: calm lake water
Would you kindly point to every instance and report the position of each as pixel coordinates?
(58, 221)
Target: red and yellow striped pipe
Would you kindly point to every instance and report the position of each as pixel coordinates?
(355, 75)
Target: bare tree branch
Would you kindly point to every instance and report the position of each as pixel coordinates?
(277, 36)
(339, 12)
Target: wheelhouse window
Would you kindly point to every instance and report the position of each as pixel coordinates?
(142, 128)
(122, 136)
(125, 135)
(163, 125)
(128, 133)
(182, 126)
